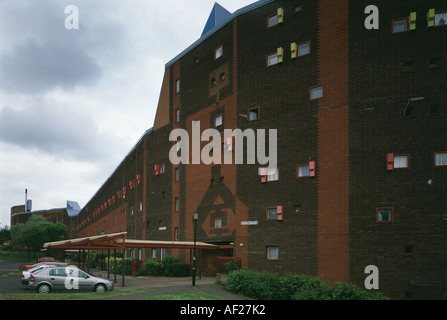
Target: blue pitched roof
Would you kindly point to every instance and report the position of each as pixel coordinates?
(219, 24)
(73, 208)
(217, 15)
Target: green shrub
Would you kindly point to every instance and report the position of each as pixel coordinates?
(264, 285)
(154, 268)
(231, 266)
(119, 265)
(169, 267)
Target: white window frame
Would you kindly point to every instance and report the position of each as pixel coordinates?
(272, 253)
(272, 59)
(440, 159)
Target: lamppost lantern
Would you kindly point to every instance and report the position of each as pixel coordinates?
(195, 216)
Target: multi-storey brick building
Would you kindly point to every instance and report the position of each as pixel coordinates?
(361, 124)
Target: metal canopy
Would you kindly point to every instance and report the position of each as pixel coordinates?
(118, 241)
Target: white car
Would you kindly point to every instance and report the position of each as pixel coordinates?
(27, 273)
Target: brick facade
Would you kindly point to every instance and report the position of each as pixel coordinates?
(329, 223)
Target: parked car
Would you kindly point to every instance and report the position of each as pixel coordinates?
(32, 266)
(67, 279)
(27, 273)
(48, 259)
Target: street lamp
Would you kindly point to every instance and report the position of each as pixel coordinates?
(195, 216)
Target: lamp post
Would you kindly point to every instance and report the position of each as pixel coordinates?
(195, 216)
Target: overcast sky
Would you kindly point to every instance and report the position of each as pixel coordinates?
(74, 102)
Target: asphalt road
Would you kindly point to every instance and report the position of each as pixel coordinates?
(10, 283)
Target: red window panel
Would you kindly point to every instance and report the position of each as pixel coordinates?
(157, 170)
(131, 184)
(139, 178)
(280, 211)
(390, 161)
(263, 173)
(312, 168)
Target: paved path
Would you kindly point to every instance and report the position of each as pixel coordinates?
(164, 285)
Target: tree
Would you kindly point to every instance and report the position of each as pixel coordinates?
(5, 234)
(37, 231)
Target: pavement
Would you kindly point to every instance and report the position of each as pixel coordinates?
(165, 285)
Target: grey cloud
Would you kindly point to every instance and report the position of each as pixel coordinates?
(58, 131)
(34, 68)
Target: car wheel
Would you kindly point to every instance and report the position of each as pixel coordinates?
(100, 288)
(43, 288)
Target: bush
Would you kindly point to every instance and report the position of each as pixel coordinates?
(119, 265)
(264, 285)
(169, 267)
(231, 266)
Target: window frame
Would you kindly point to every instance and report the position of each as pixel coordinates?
(401, 155)
(221, 223)
(177, 86)
(177, 204)
(269, 256)
(268, 26)
(434, 159)
(302, 165)
(385, 221)
(298, 49)
(215, 118)
(439, 12)
(268, 65)
(217, 50)
(259, 114)
(315, 87)
(407, 28)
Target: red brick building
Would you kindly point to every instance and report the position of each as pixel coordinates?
(361, 126)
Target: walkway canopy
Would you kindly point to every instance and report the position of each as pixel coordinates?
(118, 241)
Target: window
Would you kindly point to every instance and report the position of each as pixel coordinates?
(177, 86)
(253, 114)
(384, 215)
(218, 52)
(177, 204)
(221, 180)
(297, 8)
(273, 253)
(272, 21)
(222, 76)
(177, 174)
(400, 25)
(176, 234)
(316, 93)
(177, 115)
(275, 213)
(306, 170)
(218, 120)
(304, 49)
(213, 82)
(441, 19)
(141, 206)
(218, 223)
(441, 159)
(162, 168)
(268, 175)
(272, 59)
(401, 161)
(57, 272)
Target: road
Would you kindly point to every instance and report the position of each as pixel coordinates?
(10, 283)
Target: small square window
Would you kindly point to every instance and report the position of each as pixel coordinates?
(253, 114)
(316, 93)
(272, 59)
(441, 19)
(162, 168)
(218, 223)
(400, 25)
(273, 253)
(441, 159)
(213, 82)
(303, 171)
(272, 174)
(304, 49)
(218, 120)
(272, 213)
(297, 8)
(222, 76)
(218, 53)
(384, 215)
(272, 21)
(401, 162)
(221, 180)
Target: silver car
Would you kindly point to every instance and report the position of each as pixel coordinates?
(67, 279)
(27, 273)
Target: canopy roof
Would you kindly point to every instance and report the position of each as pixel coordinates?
(118, 241)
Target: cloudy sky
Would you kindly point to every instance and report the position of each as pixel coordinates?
(73, 102)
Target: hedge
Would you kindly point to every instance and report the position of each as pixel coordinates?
(169, 267)
(119, 265)
(271, 286)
